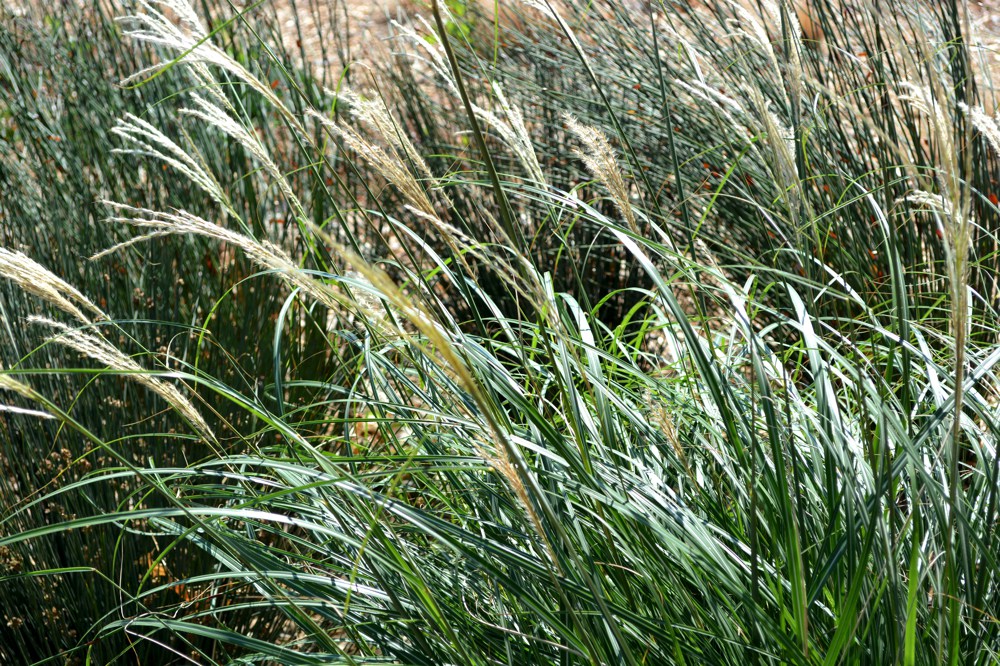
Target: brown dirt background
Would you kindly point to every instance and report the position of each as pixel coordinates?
(368, 21)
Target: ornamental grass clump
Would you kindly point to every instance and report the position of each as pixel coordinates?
(618, 336)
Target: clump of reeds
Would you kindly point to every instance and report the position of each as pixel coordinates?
(797, 463)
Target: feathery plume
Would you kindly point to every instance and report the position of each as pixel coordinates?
(498, 459)
(188, 36)
(512, 130)
(104, 352)
(514, 133)
(218, 118)
(793, 43)
(986, 124)
(752, 28)
(781, 140)
(922, 99)
(602, 164)
(942, 209)
(436, 58)
(35, 279)
(8, 383)
(148, 141)
(954, 220)
(263, 253)
(387, 163)
(375, 115)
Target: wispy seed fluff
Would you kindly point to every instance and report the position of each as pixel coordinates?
(943, 212)
(386, 162)
(189, 38)
(510, 127)
(265, 254)
(985, 123)
(514, 133)
(217, 117)
(752, 28)
(951, 202)
(142, 138)
(104, 352)
(794, 45)
(922, 99)
(780, 138)
(374, 114)
(602, 164)
(39, 281)
(8, 383)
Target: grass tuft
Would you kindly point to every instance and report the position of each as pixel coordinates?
(559, 334)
